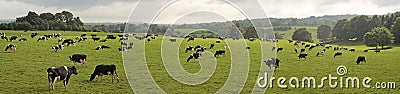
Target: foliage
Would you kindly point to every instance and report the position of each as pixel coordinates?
(379, 36)
(302, 34)
(324, 32)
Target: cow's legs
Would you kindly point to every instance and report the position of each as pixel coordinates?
(50, 82)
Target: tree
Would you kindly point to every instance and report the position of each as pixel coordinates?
(302, 34)
(340, 30)
(359, 26)
(324, 32)
(379, 36)
(395, 30)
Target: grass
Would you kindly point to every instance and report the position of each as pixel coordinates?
(24, 71)
(288, 34)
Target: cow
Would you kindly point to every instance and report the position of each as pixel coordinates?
(58, 47)
(172, 40)
(252, 39)
(290, 41)
(22, 39)
(247, 47)
(279, 49)
(203, 49)
(361, 59)
(102, 47)
(4, 37)
(377, 51)
(296, 44)
(337, 54)
(295, 50)
(124, 44)
(217, 41)
(83, 35)
(311, 47)
(42, 38)
(193, 56)
(13, 38)
(93, 35)
(122, 49)
(34, 34)
(95, 39)
(103, 40)
(302, 50)
(352, 50)
(62, 73)
(308, 45)
(303, 43)
(148, 40)
(80, 58)
(272, 61)
(101, 70)
(320, 53)
(365, 50)
(190, 48)
(191, 38)
(219, 52)
(303, 55)
(130, 45)
(123, 38)
(12, 47)
(153, 37)
(68, 42)
(212, 45)
(60, 40)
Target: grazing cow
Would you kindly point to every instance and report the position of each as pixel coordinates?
(101, 70)
(193, 56)
(377, 51)
(122, 49)
(60, 40)
(295, 50)
(130, 45)
(290, 41)
(93, 35)
(352, 50)
(111, 37)
(320, 53)
(62, 73)
(172, 40)
(312, 47)
(361, 59)
(219, 52)
(252, 39)
(103, 40)
(303, 43)
(296, 44)
(68, 41)
(308, 45)
(4, 37)
(102, 47)
(42, 38)
(212, 45)
(83, 35)
(58, 47)
(338, 54)
(345, 48)
(124, 44)
(247, 47)
(272, 61)
(12, 47)
(80, 58)
(190, 48)
(148, 40)
(303, 55)
(203, 49)
(217, 41)
(153, 37)
(365, 50)
(13, 38)
(95, 39)
(122, 38)
(204, 37)
(302, 50)
(34, 34)
(191, 38)
(279, 49)
(120, 35)
(23, 39)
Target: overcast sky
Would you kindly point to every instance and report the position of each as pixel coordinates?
(119, 10)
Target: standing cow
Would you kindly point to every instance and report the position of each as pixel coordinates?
(58, 47)
(12, 47)
(361, 59)
(80, 58)
(272, 61)
(62, 73)
(101, 70)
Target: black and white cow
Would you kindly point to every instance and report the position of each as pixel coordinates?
(272, 61)
(172, 40)
(80, 58)
(13, 38)
(219, 52)
(308, 45)
(42, 38)
(279, 49)
(193, 56)
(68, 42)
(96, 39)
(303, 55)
(60, 40)
(34, 34)
(377, 51)
(190, 48)
(102, 47)
(4, 37)
(58, 47)
(365, 50)
(12, 47)
(337, 54)
(321, 53)
(252, 39)
(361, 59)
(352, 50)
(103, 40)
(22, 39)
(62, 73)
(212, 45)
(101, 70)
(312, 47)
(302, 50)
(191, 39)
(295, 50)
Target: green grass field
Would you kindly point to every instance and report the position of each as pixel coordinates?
(25, 70)
(288, 34)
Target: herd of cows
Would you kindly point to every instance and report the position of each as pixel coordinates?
(63, 73)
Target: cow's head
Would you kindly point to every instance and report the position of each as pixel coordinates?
(73, 70)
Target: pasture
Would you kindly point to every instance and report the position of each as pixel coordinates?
(25, 70)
